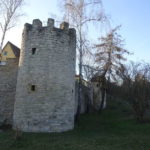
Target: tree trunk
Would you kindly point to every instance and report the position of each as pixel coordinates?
(103, 90)
(80, 78)
(3, 37)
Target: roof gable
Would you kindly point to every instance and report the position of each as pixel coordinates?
(14, 48)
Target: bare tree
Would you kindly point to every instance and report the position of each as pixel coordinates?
(109, 58)
(10, 12)
(136, 87)
(79, 13)
(89, 71)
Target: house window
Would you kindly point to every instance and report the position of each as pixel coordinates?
(5, 53)
(33, 51)
(32, 87)
(2, 63)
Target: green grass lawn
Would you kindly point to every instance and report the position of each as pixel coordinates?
(114, 129)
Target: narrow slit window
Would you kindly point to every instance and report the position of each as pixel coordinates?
(32, 87)
(33, 51)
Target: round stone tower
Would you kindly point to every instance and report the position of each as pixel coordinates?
(45, 94)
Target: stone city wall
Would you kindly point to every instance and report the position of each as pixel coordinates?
(8, 79)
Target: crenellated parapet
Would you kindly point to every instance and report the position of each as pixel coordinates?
(37, 24)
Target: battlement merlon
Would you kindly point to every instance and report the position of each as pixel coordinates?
(64, 26)
(50, 22)
(37, 23)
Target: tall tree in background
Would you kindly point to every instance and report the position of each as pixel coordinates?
(10, 12)
(79, 13)
(109, 58)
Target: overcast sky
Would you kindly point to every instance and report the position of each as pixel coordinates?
(133, 15)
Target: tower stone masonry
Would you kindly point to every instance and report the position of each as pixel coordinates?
(45, 93)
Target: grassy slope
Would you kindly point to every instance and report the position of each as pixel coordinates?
(114, 129)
